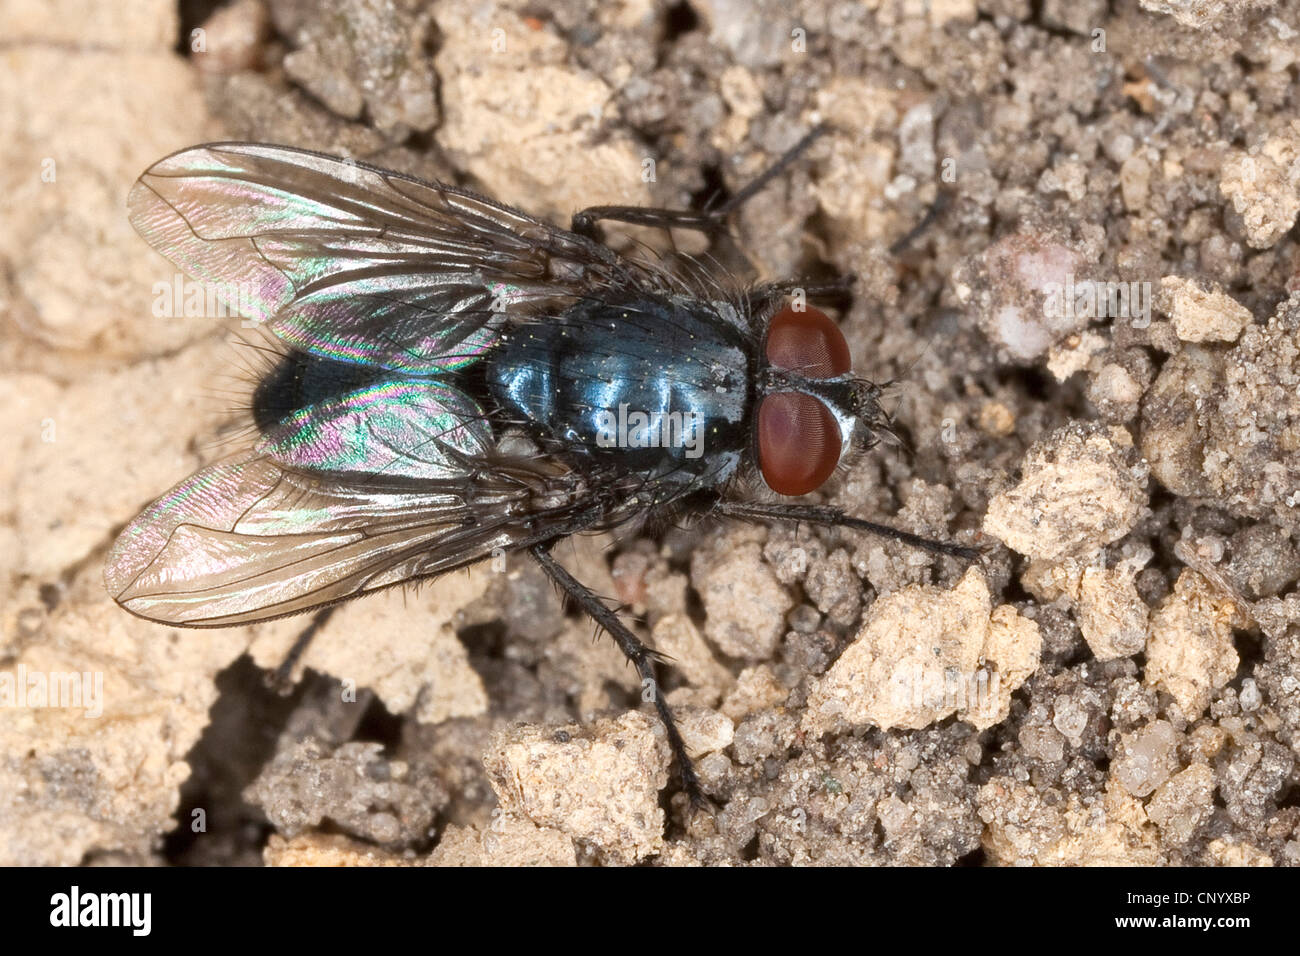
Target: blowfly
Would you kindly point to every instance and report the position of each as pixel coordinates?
(455, 378)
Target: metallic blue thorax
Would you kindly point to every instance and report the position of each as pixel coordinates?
(664, 385)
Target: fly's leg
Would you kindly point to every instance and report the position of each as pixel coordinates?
(813, 289)
(642, 658)
(835, 518)
(937, 209)
(584, 222)
(281, 679)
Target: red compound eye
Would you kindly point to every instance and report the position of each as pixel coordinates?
(798, 442)
(807, 342)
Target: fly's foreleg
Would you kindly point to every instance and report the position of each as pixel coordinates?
(812, 288)
(937, 208)
(835, 518)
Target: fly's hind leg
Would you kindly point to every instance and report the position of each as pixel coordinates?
(584, 222)
(643, 659)
(281, 679)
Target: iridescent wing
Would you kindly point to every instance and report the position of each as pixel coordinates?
(395, 480)
(384, 483)
(395, 427)
(247, 539)
(356, 263)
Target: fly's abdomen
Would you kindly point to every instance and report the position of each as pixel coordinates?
(320, 415)
(657, 384)
(300, 380)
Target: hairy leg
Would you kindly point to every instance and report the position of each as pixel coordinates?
(641, 656)
(584, 222)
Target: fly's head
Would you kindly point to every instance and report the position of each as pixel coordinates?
(812, 411)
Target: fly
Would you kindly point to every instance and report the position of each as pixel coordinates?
(458, 378)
